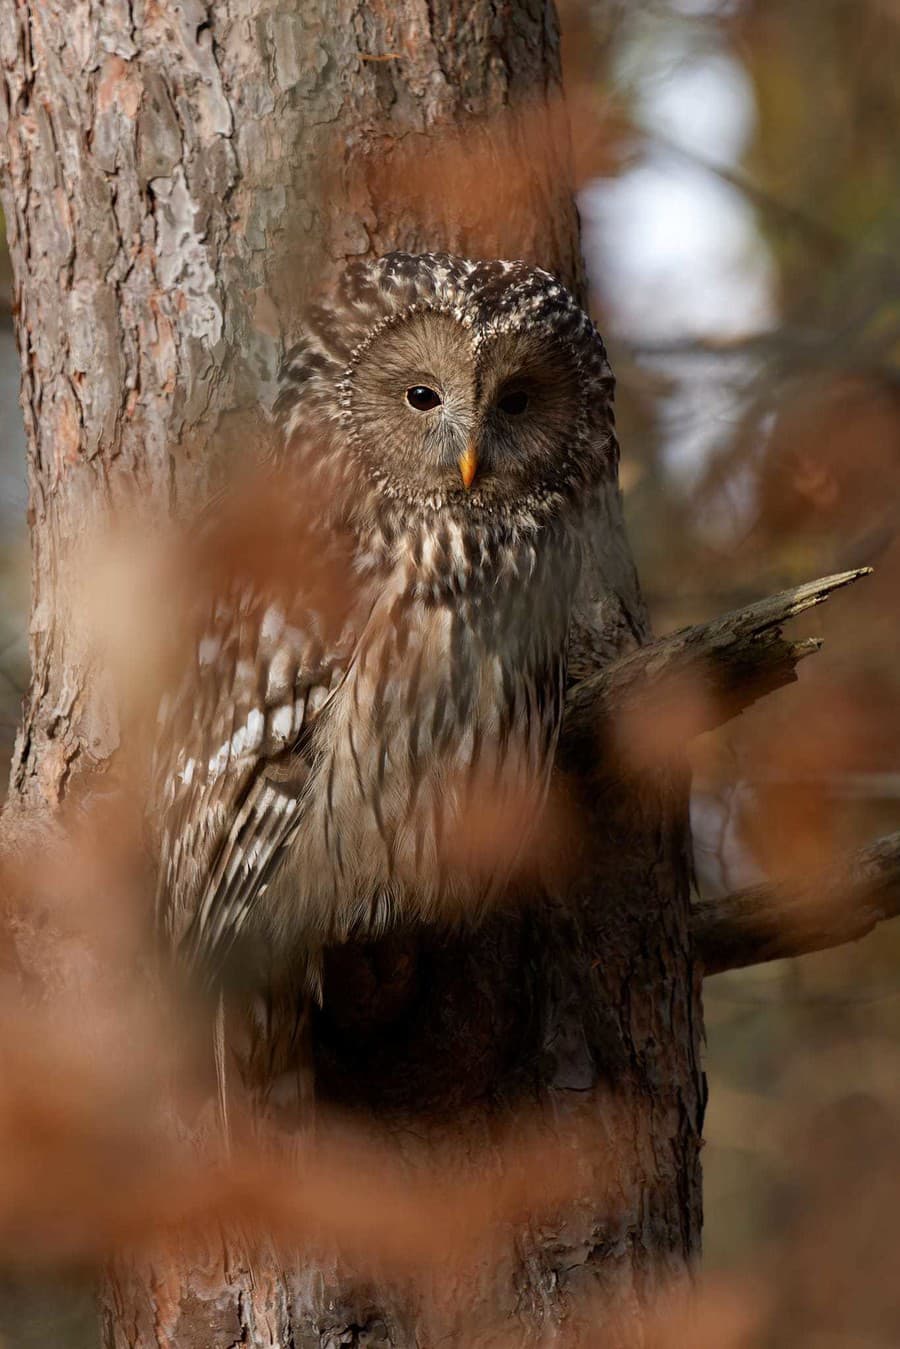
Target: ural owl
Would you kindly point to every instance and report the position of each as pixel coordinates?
(324, 763)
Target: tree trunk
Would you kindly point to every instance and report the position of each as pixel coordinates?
(177, 178)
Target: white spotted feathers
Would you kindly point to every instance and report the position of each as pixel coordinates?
(321, 762)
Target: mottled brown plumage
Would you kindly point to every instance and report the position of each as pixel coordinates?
(321, 765)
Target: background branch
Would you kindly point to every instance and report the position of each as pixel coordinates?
(771, 922)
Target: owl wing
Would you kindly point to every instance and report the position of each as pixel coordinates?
(232, 762)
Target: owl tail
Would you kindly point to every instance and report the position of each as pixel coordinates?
(289, 1056)
(221, 1062)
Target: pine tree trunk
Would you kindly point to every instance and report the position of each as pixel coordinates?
(177, 178)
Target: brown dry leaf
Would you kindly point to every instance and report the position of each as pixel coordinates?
(653, 732)
(105, 1122)
(503, 830)
(89, 1165)
(459, 186)
(718, 1315)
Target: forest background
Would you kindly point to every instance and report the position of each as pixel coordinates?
(739, 171)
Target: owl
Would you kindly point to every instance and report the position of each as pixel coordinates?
(343, 732)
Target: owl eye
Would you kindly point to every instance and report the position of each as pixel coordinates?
(514, 403)
(422, 398)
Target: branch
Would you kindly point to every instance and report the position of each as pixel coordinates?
(771, 922)
(699, 677)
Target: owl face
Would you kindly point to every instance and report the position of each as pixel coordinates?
(453, 410)
(458, 385)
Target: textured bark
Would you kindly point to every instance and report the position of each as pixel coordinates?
(176, 178)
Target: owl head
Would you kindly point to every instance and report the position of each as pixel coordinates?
(455, 385)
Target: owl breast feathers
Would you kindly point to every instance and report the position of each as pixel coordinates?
(366, 724)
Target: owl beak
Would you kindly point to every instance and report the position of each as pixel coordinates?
(468, 464)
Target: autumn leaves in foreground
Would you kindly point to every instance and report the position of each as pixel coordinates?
(107, 1102)
(108, 1128)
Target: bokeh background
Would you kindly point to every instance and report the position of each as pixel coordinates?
(742, 240)
(739, 170)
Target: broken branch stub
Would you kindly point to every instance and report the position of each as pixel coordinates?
(662, 695)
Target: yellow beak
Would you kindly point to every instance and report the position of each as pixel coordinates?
(468, 464)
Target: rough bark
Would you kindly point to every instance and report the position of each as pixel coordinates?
(176, 177)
